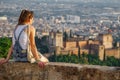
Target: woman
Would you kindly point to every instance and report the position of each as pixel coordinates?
(28, 33)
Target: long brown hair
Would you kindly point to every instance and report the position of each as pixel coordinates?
(25, 16)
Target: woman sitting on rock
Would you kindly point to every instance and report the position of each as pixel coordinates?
(23, 46)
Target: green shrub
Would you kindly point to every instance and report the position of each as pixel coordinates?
(5, 44)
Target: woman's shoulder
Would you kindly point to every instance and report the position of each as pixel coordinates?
(32, 28)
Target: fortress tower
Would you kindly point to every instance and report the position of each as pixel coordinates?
(59, 39)
(56, 39)
(106, 40)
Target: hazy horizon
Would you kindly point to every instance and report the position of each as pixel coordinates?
(103, 1)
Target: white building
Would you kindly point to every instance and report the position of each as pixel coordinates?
(3, 18)
(73, 19)
(118, 19)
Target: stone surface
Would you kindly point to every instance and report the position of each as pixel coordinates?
(57, 71)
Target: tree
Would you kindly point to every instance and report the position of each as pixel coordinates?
(65, 36)
(41, 44)
(85, 59)
(5, 44)
(79, 53)
(112, 61)
(71, 34)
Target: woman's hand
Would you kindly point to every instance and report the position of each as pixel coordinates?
(3, 60)
(41, 64)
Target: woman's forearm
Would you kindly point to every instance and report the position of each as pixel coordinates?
(35, 52)
(9, 52)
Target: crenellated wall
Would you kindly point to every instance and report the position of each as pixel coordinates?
(57, 71)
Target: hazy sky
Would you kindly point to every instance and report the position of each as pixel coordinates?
(111, 1)
(91, 0)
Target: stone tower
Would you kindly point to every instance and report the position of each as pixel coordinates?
(55, 41)
(59, 39)
(51, 39)
(101, 52)
(57, 50)
(118, 44)
(106, 40)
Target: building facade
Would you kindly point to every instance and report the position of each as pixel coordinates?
(102, 46)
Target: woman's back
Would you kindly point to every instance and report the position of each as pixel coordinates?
(23, 40)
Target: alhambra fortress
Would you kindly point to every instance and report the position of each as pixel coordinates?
(102, 46)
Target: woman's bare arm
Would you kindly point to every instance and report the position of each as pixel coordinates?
(32, 43)
(33, 47)
(3, 60)
(9, 52)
